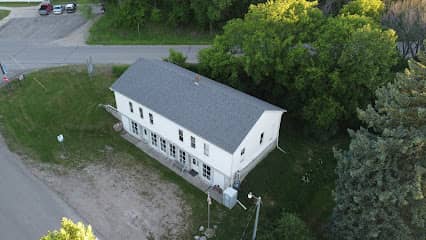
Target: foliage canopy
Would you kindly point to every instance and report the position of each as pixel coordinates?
(381, 184)
(320, 68)
(71, 231)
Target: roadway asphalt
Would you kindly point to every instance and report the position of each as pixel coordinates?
(22, 56)
(28, 209)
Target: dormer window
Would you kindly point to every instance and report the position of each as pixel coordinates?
(180, 135)
(141, 112)
(131, 106)
(192, 142)
(151, 118)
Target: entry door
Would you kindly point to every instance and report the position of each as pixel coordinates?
(146, 134)
(195, 165)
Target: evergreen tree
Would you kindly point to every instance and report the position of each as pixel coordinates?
(381, 184)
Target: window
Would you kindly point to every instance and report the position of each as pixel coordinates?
(141, 112)
(180, 135)
(172, 151)
(261, 138)
(163, 145)
(145, 132)
(182, 157)
(151, 118)
(154, 139)
(206, 149)
(135, 129)
(206, 171)
(192, 142)
(131, 107)
(243, 151)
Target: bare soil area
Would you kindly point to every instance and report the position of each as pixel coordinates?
(121, 198)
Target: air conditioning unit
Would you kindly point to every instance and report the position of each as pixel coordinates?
(230, 197)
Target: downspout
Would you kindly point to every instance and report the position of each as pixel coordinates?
(278, 137)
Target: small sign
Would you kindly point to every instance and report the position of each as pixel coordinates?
(5, 79)
(60, 138)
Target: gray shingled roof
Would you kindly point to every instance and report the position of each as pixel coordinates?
(215, 112)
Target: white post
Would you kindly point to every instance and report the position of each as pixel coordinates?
(209, 202)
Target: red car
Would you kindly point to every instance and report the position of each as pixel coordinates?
(45, 8)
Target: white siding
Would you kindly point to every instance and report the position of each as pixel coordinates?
(269, 124)
(218, 159)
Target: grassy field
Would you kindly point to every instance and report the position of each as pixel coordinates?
(103, 32)
(4, 13)
(65, 101)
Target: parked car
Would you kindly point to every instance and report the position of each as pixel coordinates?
(71, 7)
(58, 9)
(45, 8)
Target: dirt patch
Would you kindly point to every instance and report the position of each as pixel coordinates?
(121, 198)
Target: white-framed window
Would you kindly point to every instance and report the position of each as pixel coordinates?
(206, 171)
(172, 150)
(194, 161)
(151, 118)
(261, 138)
(192, 142)
(141, 112)
(206, 149)
(131, 106)
(154, 139)
(182, 157)
(243, 151)
(163, 145)
(135, 128)
(181, 135)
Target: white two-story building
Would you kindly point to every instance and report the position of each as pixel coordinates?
(213, 131)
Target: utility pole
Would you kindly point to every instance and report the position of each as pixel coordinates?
(210, 232)
(256, 221)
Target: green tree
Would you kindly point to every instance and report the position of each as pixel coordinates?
(369, 8)
(287, 52)
(210, 11)
(291, 227)
(380, 189)
(176, 57)
(408, 19)
(71, 231)
(354, 56)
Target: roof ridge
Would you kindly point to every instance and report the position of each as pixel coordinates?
(179, 70)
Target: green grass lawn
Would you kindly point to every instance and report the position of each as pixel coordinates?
(4, 13)
(104, 32)
(18, 4)
(65, 101)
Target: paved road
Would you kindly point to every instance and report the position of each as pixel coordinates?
(28, 209)
(23, 55)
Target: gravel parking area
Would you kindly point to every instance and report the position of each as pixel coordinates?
(121, 198)
(41, 29)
